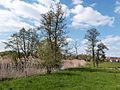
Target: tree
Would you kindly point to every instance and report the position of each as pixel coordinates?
(75, 45)
(53, 25)
(25, 42)
(91, 37)
(100, 54)
(46, 56)
(66, 51)
(13, 43)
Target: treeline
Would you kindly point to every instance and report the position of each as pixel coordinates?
(48, 41)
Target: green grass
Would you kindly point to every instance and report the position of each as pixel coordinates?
(106, 65)
(71, 79)
(110, 65)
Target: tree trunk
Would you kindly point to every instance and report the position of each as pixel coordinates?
(97, 58)
(93, 55)
(97, 63)
(48, 70)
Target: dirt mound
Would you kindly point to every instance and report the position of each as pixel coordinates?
(73, 63)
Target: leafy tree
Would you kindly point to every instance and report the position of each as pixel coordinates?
(46, 56)
(53, 25)
(100, 54)
(91, 37)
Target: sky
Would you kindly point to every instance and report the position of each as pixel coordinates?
(81, 15)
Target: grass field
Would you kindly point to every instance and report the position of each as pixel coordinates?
(106, 65)
(71, 79)
(110, 65)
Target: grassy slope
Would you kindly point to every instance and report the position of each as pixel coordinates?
(72, 79)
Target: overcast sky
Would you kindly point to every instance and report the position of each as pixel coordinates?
(104, 15)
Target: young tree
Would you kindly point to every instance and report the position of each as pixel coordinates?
(91, 37)
(53, 25)
(46, 55)
(100, 54)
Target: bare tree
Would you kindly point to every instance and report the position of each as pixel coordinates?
(66, 51)
(75, 45)
(25, 42)
(91, 37)
(13, 43)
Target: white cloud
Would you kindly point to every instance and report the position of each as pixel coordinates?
(21, 8)
(113, 44)
(93, 5)
(10, 17)
(77, 9)
(69, 40)
(111, 41)
(117, 7)
(66, 10)
(77, 1)
(81, 46)
(2, 47)
(2, 40)
(18, 13)
(117, 10)
(6, 3)
(85, 17)
(10, 22)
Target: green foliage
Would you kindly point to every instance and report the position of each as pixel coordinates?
(45, 53)
(71, 79)
(9, 54)
(101, 51)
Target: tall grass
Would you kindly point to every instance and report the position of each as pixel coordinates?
(8, 68)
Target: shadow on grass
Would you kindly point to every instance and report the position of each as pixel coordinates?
(4, 79)
(67, 74)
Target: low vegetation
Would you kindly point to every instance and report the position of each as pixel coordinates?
(70, 79)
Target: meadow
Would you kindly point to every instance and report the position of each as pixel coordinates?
(84, 78)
